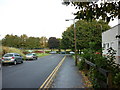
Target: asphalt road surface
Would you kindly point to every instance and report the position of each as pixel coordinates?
(30, 74)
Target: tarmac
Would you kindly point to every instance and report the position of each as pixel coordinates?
(68, 75)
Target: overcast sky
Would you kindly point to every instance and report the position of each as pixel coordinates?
(35, 17)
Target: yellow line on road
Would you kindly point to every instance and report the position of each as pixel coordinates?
(51, 76)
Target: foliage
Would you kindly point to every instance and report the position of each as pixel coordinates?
(42, 54)
(67, 39)
(53, 43)
(11, 50)
(38, 51)
(94, 10)
(47, 51)
(81, 64)
(86, 32)
(110, 56)
(105, 62)
(43, 42)
(93, 74)
(24, 41)
(117, 80)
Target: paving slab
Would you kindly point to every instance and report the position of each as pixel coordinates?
(68, 75)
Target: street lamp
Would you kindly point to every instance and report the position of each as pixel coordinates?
(74, 39)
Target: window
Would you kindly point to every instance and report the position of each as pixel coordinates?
(103, 45)
(107, 44)
(17, 55)
(8, 55)
(119, 45)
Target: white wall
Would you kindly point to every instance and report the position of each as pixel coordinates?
(109, 36)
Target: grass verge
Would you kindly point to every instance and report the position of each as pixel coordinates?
(11, 50)
(42, 54)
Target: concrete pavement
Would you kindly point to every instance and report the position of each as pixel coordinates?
(68, 75)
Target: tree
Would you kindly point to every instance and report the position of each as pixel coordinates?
(53, 43)
(33, 42)
(23, 38)
(86, 32)
(43, 42)
(59, 48)
(21, 42)
(11, 41)
(67, 39)
(91, 10)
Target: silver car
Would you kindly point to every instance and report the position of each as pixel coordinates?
(12, 58)
(31, 56)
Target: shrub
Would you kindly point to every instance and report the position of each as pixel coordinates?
(47, 51)
(100, 61)
(38, 51)
(81, 64)
(117, 80)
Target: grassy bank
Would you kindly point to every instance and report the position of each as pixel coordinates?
(11, 50)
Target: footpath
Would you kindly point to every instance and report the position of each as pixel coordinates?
(68, 75)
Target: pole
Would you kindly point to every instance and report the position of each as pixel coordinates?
(75, 43)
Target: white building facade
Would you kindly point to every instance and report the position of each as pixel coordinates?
(110, 39)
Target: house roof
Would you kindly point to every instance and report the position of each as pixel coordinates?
(111, 28)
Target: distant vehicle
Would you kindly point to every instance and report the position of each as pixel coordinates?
(53, 52)
(32, 56)
(72, 52)
(12, 58)
(62, 52)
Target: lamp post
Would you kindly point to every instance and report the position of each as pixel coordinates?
(74, 39)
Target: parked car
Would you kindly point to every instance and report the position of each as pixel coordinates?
(12, 58)
(53, 52)
(62, 52)
(71, 52)
(32, 56)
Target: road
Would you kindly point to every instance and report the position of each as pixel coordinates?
(30, 74)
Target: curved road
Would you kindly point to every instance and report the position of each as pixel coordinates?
(30, 74)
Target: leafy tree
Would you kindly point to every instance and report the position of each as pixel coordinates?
(92, 10)
(67, 39)
(85, 32)
(32, 43)
(23, 38)
(53, 43)
(59, 48)
(11, 41)
(21, 42)
(43, 42)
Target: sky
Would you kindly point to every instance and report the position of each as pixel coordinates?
(35, 17)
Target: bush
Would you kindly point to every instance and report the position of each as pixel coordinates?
(81, 64)
(38, 51)
(117, 80)
(47, 51)
(100, 61)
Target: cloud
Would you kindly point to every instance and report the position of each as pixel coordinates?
(34, 17)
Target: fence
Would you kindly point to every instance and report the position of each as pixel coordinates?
(106, 73)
